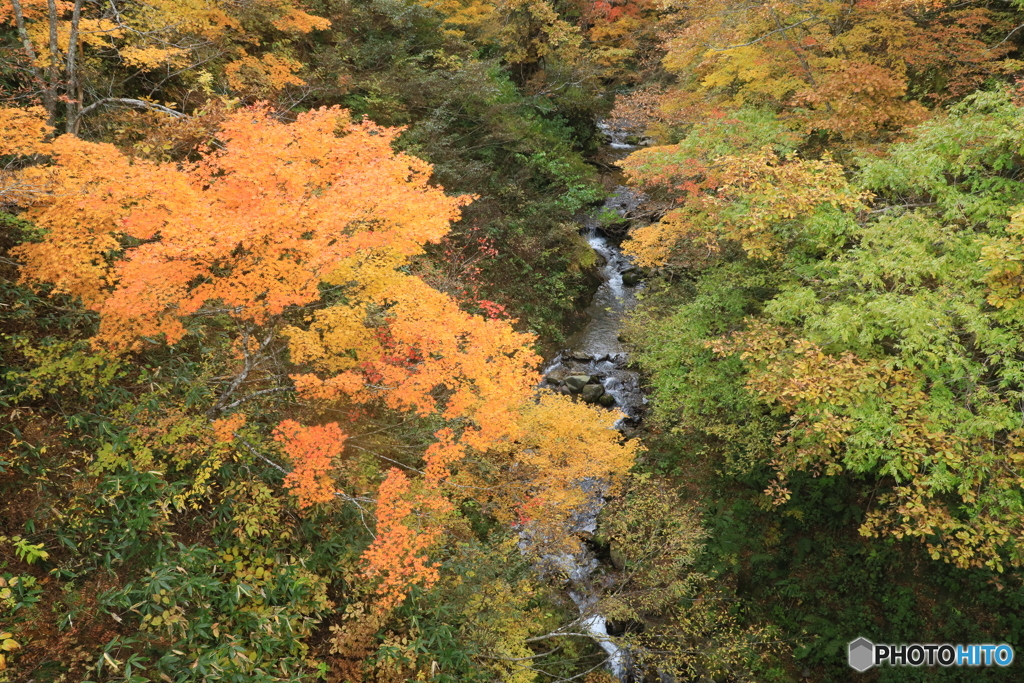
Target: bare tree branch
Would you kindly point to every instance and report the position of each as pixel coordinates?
(129, 102)
(254, 394)
(521, 659)
(252, 449)
(51, 68)
(250, 364)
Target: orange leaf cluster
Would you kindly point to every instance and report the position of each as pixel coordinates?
(254, 227)
(312, 451)
(294, 20)
(426, 344)
(224, 429)
(398, 554)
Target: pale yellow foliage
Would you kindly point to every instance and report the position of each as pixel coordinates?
(297, 21)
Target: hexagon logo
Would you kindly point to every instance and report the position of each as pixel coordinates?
(862, 654)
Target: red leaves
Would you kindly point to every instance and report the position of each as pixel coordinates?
(493, 310)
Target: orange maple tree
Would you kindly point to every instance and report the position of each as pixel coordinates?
(270, 218)
(255, 226)
(398, 554)
(312, 450)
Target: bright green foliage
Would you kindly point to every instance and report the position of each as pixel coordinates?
(879, 346)
(237, 615)
(700, 397)
(860, 392)
(62, 365)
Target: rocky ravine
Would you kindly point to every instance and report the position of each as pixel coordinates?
(595, 368)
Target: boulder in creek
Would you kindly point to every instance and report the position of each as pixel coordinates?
(577, 382)
(618, 228)
(606, 400)
(592, 393)
(617, 557)
(557, 375)
(631, 279)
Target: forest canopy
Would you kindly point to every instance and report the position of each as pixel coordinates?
(283, 286)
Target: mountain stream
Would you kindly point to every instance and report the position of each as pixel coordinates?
(595, 368)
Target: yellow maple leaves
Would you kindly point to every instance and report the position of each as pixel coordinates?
(262, 76)
(1004, 259)
(560, 443)
(527, 31)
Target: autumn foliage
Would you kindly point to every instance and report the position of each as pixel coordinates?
(399, 552)
(311, 450)
(255, 226)
(869, 309)
(271, 408)
(853, 70)
(273, 215)
(752, 199)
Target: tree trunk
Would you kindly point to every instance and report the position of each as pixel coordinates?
(45, 87)
(74, 90)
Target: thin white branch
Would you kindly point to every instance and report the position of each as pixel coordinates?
(130, 102)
